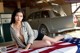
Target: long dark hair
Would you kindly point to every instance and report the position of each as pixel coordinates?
(14, 14)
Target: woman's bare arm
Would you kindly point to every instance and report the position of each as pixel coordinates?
(28, 46)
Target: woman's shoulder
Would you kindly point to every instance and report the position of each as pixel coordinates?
(11, 25)
(25, 22)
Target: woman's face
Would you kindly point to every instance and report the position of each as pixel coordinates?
(19, 17)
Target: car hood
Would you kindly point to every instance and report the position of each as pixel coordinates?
(68, 29)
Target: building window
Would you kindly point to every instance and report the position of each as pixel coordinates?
(74, 7)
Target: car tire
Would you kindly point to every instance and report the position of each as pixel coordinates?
(43, 29)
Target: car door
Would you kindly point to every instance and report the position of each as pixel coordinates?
(30, 19)
(36, 19)
(33, 19)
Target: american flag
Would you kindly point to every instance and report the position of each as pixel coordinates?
(75, 41)
(65, 46)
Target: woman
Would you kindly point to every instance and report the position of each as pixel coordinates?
(25, 37)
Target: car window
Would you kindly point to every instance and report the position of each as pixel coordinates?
(45, 14)
(37, 15)
(30, 17)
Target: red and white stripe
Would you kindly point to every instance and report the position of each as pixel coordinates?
(61, 47)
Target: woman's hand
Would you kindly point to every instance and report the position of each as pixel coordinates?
(21, 50)
(24, 49)
(16, 45)
(28, 46)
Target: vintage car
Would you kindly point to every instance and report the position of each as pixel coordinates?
(51, 22)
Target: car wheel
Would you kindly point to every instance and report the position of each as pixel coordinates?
(43, 29)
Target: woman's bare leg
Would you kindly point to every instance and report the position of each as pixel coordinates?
(41, 43)
(46, 41)
(53, 40)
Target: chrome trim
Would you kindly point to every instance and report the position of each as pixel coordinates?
(78, 28)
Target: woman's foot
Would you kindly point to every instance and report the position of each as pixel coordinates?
(67, 36)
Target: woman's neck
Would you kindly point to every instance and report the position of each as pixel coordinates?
(17, 24)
